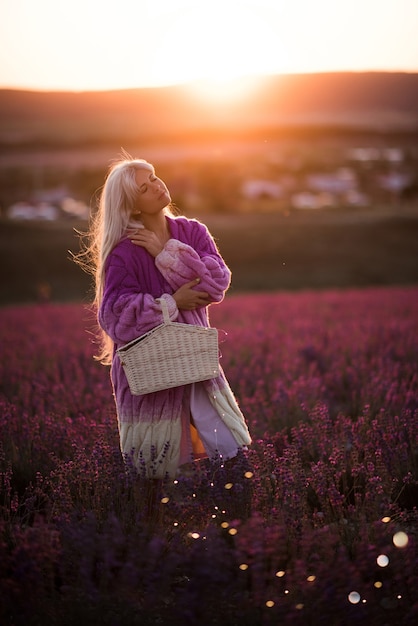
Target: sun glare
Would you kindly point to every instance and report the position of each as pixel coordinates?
(224, 90)
(216, 45)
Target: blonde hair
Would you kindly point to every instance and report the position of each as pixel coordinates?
(114, 216)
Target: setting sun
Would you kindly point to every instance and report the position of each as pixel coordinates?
(224, 91)
(216, 42)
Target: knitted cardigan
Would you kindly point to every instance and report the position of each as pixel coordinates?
(150, 425)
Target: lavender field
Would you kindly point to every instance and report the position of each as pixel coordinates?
(328, 381)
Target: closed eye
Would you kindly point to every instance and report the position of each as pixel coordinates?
(143, 188)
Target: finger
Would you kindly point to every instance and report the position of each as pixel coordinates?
(192, 283)
(141, 237)
(202, 297)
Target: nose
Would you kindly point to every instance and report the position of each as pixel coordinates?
(160, 188)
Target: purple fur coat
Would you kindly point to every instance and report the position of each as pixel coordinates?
(153, 426)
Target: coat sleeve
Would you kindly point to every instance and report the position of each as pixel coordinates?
(181, 262)
(126, 312)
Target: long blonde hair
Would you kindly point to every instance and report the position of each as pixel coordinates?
(114, 216)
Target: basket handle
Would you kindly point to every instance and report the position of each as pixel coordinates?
(164, 309)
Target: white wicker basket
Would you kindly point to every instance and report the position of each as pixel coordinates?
(170, 355)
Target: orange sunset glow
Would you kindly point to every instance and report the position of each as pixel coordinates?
(90, 46)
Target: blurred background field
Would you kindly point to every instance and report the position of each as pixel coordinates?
(311, 181)
(271, 251)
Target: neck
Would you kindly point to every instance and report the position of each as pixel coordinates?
(157, 223)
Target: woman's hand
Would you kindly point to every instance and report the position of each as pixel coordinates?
(188, 298)
(147, 239)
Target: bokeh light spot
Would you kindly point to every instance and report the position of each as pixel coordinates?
(400, 539)
(382, 560)
(354, 597)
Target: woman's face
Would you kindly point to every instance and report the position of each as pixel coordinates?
(153, 195)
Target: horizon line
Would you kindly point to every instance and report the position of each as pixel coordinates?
(192, 82)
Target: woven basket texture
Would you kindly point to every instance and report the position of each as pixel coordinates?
(170, 355)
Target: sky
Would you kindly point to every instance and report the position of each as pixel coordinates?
(81, 45)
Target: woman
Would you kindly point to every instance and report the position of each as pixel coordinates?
(142, 253)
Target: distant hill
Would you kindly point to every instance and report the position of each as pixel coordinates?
(375, 100)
